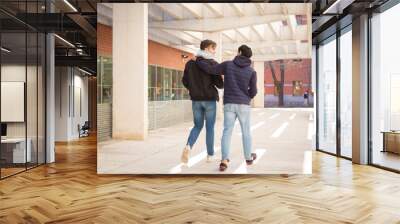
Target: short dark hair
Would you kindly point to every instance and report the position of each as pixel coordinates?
(206, 43)
(244, 50)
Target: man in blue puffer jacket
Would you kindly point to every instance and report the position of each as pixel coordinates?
(240, 86)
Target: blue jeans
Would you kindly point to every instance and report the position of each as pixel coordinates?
(203, 110)
(242, 113)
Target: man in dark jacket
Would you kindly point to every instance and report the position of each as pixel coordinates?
(240, 86)
(203, 93)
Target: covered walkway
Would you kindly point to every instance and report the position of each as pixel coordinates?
(282, 138)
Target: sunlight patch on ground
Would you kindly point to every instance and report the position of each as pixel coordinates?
(274, 116)
(242, 169)
(192, 161)
(278, 132)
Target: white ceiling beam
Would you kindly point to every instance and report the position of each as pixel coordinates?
(188, 48)
(215, 24)
(270, 57)
(230, 34)
(194, 8)
(238, 7)
(181, 36)
(275, 31)
(258, 32)
(257, 44)
(104, 14)
(297, 8)
(171, 9)
(309, 27)
(290, 19)
(155, 16)
(242, 33)
(164, 38)
(196, 35)
(215, 8)
(273, 50)
(260, 8)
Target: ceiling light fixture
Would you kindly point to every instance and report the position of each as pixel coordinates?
(70, 5)
(84, 71)
(338, 6)
(64, 40)
(5, 50)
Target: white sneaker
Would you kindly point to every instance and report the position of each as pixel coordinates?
(210, 159)
(185, 154)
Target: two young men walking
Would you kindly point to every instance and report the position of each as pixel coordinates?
(240, 86)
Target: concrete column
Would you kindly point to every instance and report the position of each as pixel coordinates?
(63, 103)
(50, 98)
(360, 90)
(258, 100)
(130, 65)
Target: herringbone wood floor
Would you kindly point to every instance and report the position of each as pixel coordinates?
(70, 191)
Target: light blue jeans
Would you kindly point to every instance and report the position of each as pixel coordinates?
(242, 113)
(203, 110)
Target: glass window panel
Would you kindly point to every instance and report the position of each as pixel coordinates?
(385, 89)
(152, 76)
(180, 75)
(159, 88)
(174, 79)
(152, 96)
(99, 78)
(327, 96)
(346, 94)
(41, 99)
(167, 84)
(107, 80)
(13, 73)
(31, 99)
(160, 73)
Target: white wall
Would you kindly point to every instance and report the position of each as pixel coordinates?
(70, 83)
(12, 73)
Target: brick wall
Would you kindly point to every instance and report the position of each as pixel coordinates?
(104, 40)
(166, 56)
(294, 71)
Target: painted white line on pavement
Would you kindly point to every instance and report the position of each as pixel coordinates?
(192, 161)
(274, 116)
(242, 169)
(280, 130)
(292, 116)
(259, 124)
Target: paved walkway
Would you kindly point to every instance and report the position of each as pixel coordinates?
(282, 138)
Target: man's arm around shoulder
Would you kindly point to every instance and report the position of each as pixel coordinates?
(211, 66)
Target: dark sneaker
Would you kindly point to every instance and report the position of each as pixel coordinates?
(253, 157)
(223, 165)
